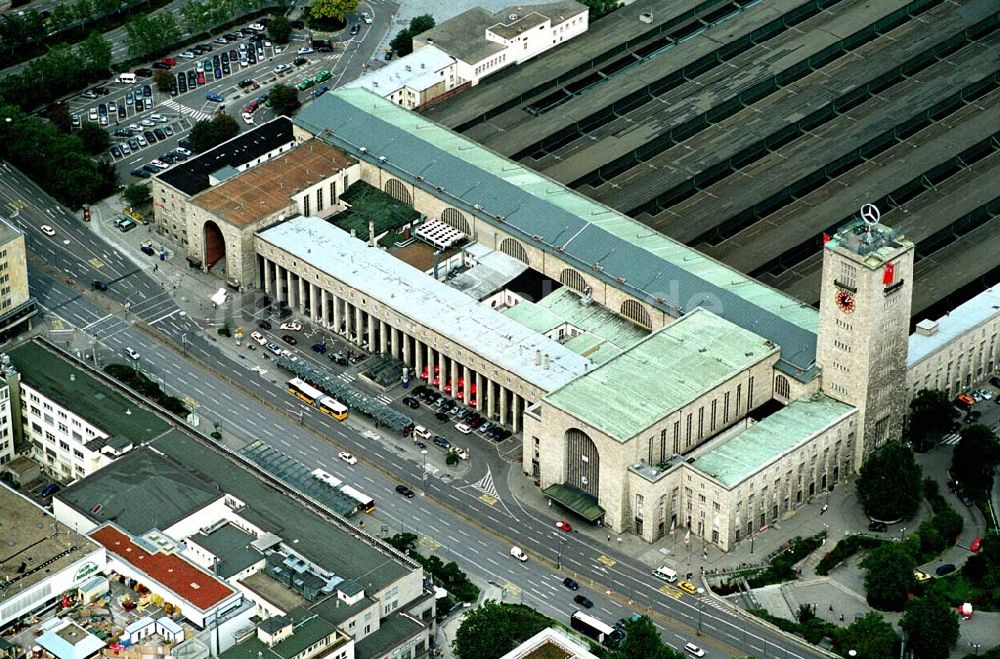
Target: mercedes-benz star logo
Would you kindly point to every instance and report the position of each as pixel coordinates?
(870, 214)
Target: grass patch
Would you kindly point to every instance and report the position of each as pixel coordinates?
(369, 203)
(147, 388)
(782, 565)
(844, 550)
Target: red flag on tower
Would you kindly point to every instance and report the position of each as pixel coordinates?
(889, 275)
(826, 238)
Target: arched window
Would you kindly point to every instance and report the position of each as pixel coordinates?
(397, 190)
(573, 279)
(514, 249)
(583, 463)
(781, 387)
(634, 311)
(454, 218)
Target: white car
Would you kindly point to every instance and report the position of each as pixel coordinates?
(92, 115)
(463, 428)
(259, 338)
(694, 650)
(256, 27)
(292, 326)
(274, 348)
(181, 149)
(267, 44)
(132, 354)
(519, 554)
(187, 54)
(47, 230)
(281, 68)
(366, 17)
(347, 457)
(304, 50)
(247, 118)
(158, 117)
(141, 140)
(126, 149)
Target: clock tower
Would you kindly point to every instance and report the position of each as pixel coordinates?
(864, 326)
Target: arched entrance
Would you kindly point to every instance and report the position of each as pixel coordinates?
(583, 464)
(215, 245)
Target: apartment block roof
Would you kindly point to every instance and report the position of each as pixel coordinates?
(959, 320)
(666, 275)
(766, 441)
(661, 374)
(184, 578)
(307, 630)
(264, 190)
(85, 394)
(420, 70)
(424, 300)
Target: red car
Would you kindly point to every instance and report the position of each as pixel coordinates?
(563, 526)
(201, 78)
(976, 545)
(169, 61)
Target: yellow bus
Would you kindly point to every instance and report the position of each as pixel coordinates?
(313, 396)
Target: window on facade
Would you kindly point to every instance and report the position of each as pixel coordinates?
(319, 199)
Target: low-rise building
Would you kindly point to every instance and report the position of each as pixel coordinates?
(957, 350)
(484, 42)
(42, 558)
(299, 635)
(415, 80)
(550, 642)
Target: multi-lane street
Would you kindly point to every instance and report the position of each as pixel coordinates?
(454, 517)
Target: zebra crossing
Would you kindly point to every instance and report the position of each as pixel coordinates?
(486, 484)
(347, 378)
(951, 439)
(197, 115)
(384, 399)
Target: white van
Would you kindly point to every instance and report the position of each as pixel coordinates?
(519, 554)
(665, 573)
(421, 432)
(126, 78)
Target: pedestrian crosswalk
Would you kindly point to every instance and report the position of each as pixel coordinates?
(951, 439)
(197, 115)
(384, 399)
(346, 377)
(486, 484)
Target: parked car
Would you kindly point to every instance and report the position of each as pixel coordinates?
(292, 326)
(264, 324)
(319, 348)
(463, 428)
(411, 402)
(274, 348)
(442, 442)
(945, 569)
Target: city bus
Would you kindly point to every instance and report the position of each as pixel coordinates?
(591, 627)
(304, 390)
(365, 503)
(332, 407)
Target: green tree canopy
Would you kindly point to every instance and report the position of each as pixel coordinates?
(209, 133)
(931, 417)
(95, 139)
(889, 576)
(931, 627)
(335, 9)
(284, 100)
(402, 43)
(889, 485)
(494, 629)
(279, 29)
(975, 459)
(643, 640)
(136, 195)
(871, 637)
(421, 23)
(162, 80)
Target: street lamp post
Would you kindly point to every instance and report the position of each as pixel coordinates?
(184, 343)
(902, 534)
(700, 604)
(423, 470)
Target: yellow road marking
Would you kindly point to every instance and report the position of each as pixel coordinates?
(670, 591)
(512, 589)
(610, 562)
(487, 499)
(429, 542)
(96, 263)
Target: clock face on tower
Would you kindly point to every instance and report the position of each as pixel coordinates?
(845, 301)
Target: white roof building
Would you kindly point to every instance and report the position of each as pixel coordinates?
(413, 80)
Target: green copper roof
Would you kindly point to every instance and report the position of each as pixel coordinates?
(661, 374)
(761, 443)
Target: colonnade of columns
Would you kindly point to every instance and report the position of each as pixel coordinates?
(447, 375)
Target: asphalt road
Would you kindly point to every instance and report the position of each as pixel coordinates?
(453, 518)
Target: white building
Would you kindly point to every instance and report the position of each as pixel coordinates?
(414, 80)
(6, 425)
(958, 349)
(483, 42)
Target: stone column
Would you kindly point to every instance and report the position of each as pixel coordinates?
(383, 336)
(490, 401)
(480, 392)
(418, 356)
(289, 291)
(359, 325)
(315, 308)
(324, 302)
(406, 348)
(518, 403)
(302, 295)
(267, 278)
(467, 379)
(337, 318)
(503, 405)
(372, 324)
(453, 375)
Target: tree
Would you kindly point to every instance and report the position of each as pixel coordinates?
(889, 483)
(209, 133)
(871, 637)
(931, 627)
(284, 100)
(62, 17)
(975, 459)
(889, 576)
(95, 139)
(84, 10)
(137, 195)
(335, 9)
(931, 417)
(642, 640)
(162, 79)
(421, 23)
(949, 524)
(599, 8)
(279, 29)
(58, 114)
(402, 43)
(494, 629)
(95, 52)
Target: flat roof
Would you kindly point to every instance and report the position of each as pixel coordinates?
(464, 36)
(392, 631)
(184, 578)
(191, 177)
(961, 319)
(423, 299)
(34, 538)
(320, 540)
(307, 630)
(493, 271)
(85, 394)
(419, 70)
(8, 231)
(141, 491)
(661, 374)
(266, 189)
(754, 448)
(65, 639)
(613, 247)
(232, 546)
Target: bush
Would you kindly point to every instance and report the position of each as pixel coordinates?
(782, 566)
(146, 388)
(447, 575)
(844, 550)
(451, 460)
